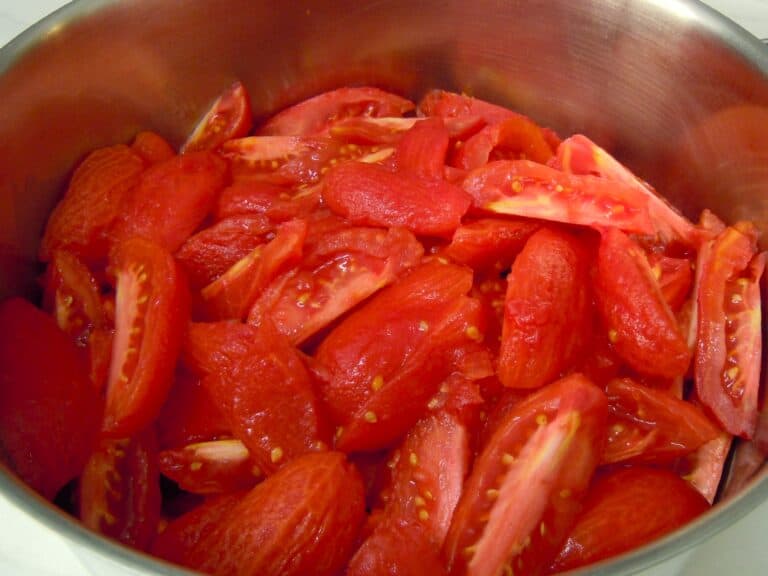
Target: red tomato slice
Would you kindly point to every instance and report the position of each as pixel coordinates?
(388, 131)
(152, 308)
(344, 268)
(120, 490)
(423, 148)
(277, 203)
(261, 385)
(189, 415)
(81, 221)
(182, 535)
(490, 244)
(547, 311)
(211, 467)
(229, 117)
(233, 293)
(675, 277)
(524, 491)
(579, 155)
(652, 426)
(152, 148)
(303, 520)
(370, 195)
(49, 410)
(212, 251)
(385, 361)
(624, 510)
(640, 324)
(316, 114)
(525, 188)
(172, 200)
(396, 550)
(515, 138)
(729, 338)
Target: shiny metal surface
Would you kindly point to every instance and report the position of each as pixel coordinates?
(670, 87)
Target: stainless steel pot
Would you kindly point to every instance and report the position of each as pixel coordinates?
(671, 87)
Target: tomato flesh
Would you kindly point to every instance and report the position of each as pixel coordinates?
(229, 117)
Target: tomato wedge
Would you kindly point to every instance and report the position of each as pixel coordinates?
(525, 188)
(371, 195)
(152, 308)
(389, 130)
(729, 338)
(640, 324)
(423, 148)
(303, 520)
(547, 311)
(524, 491)
(704, 468)
(341, 270)
(316, 114)
(248, 371)
(49, 410)
(120, 490)
(81, 221)
(652, 426)
(277, 203)
(675, 277)
(229, 117)
(490, 244)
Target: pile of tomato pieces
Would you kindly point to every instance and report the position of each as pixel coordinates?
(369, 337)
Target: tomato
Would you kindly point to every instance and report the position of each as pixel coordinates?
(120, 489)
(600, 364)
(212, 251)
(729, 338)
(389, 130)
(423, 148)
(259, 382)
(384, 362)
(648, 425)
(189, 414)
(579, 155)
(451, 105)
(704, 468)
(548, 306)
(152, 148)
(514, 138)
(640, 324)
(525, 188)
(675, 277)
(343, 268)
(370, 195)
(524, 491)
(81, 221)
(626, 509)
(211, 467)
(228, 117)
(152, 308)
(490, 244)
(73, 297)
(277, 203)
(316, 114)
(396, 550)
(172, 199)
(303, 520)
(233, 293)
(49, 410)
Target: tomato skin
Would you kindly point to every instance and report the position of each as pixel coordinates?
(172, 199)
(152, 148)
(370, 195)
(644, 331)
(258, 381)
(228, 117)
(314, 115)
(49, 410)
(539, 466)
(120, 489)
(423, 148)
(277, 203)
(490, 244)
(652, 426)
(547, 309)
(303, 520)
(729, 338)
(626, 509)
(212, 251)
(81, 221)
(152, 311)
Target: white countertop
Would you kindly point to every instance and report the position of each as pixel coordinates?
(27, 548)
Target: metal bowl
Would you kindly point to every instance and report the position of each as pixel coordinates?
(671, 87)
